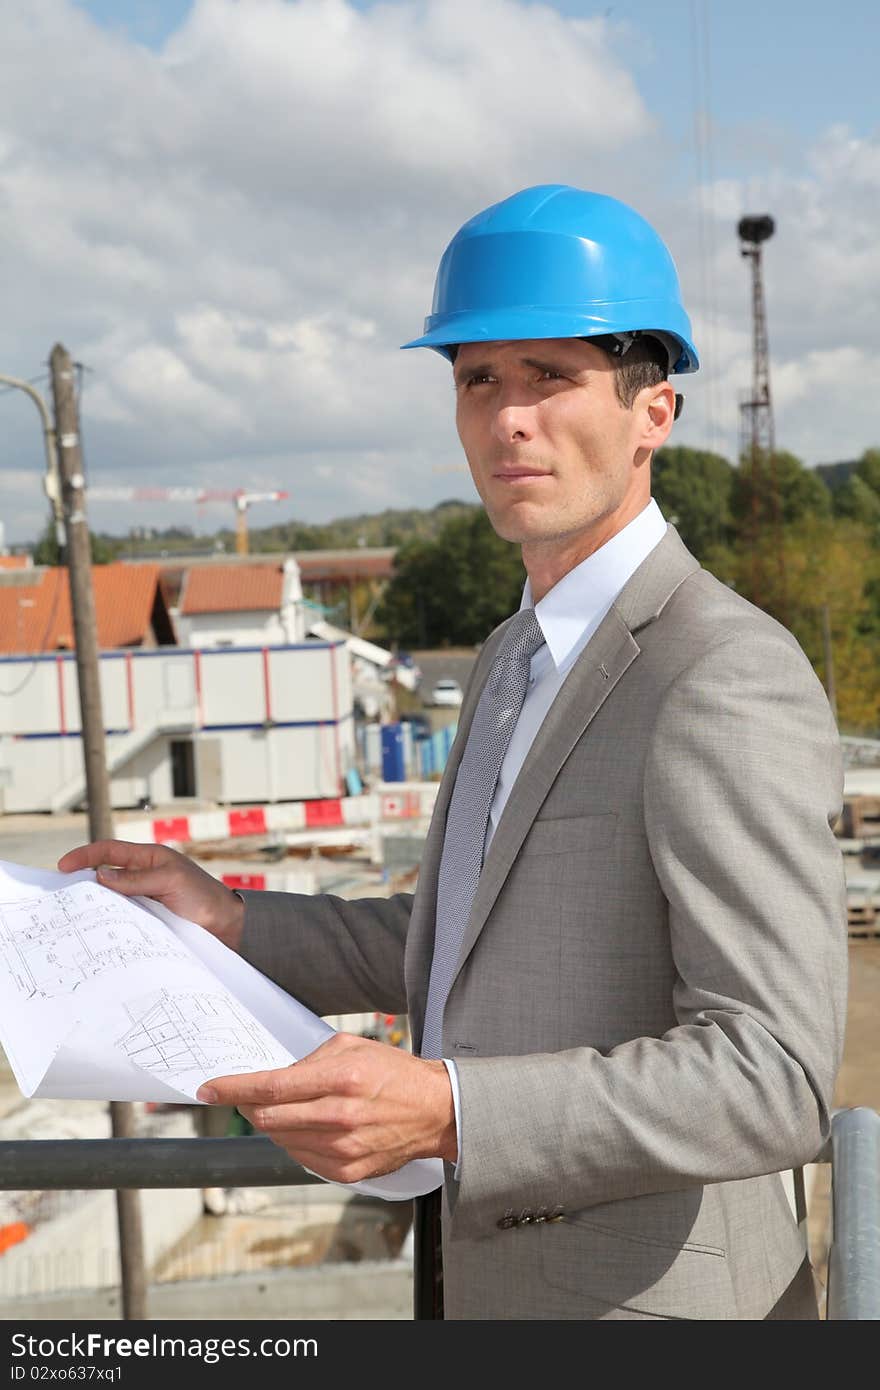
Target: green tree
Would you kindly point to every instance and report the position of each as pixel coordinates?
(777, 489)
(104, 549)
(834, 566)
(822, 564)
(868, 469)
(453, 590)
(693, 489)
(858, 501)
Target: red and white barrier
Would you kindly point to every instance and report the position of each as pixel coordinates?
(274, 881)
(391, 801)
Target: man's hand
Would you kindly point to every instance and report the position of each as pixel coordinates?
(352, 1109)
(155, 871)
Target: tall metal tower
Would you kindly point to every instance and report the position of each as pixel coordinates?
(756, 414)
(757, 434)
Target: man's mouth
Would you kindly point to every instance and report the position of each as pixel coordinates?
(519, 475)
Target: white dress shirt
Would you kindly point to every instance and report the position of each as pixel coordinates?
(569, 614)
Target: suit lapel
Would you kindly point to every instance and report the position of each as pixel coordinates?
(609, 653)
(606, 657)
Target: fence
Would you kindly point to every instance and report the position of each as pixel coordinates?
(854, 1257)
(45, 1164)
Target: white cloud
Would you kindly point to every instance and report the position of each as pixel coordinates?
(236, 233)
(821, 277)
(23, 501)
(826, 380)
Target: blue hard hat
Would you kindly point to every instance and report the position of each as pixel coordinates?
(558, 262)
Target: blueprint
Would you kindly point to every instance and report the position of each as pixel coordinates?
(174, 1033)
(54, 944)
(104, 997)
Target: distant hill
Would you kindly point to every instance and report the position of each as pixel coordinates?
(393, 527)
(834, 475)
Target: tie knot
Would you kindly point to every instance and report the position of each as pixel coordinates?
(523, 637)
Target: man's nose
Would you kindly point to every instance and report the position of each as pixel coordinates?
(513, 422)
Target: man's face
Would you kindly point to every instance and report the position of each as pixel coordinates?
(559, 463)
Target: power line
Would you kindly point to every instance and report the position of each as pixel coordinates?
(704, 158)
(31, 381)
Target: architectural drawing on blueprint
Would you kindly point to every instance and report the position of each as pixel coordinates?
(212, 1034)
(56, 942)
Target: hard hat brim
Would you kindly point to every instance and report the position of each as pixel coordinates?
(443, 331)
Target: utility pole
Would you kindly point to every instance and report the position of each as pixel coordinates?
(82, 604)
(830, 686)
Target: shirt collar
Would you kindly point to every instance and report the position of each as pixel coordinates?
(582, 597)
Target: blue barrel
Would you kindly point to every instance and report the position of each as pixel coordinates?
(427, 761)
(442, 741)
(393, 758)
(449, 732)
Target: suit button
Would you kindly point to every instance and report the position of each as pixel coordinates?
(526, 1218)
(507, 1221)
(540, 1216)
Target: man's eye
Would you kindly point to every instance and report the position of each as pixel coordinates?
(477, 379)
(550, 375)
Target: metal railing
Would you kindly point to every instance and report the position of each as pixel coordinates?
(854, 1256)
(853, 1151)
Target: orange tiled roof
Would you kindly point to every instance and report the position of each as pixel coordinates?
(37, 617)
(340, 565)
(14, 562)
(232, 589)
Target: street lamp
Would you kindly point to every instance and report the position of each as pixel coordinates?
(51, 484)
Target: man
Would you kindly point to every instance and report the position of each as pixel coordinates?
(625, 961)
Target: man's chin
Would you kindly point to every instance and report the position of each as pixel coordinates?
(507, 531)
(521, 529)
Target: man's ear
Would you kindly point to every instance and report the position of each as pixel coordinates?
(659, 406)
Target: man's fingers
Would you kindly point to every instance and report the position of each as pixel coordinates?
(300, 1117)
(306, 1079)
(127, 867)
(123, 853)
(146, 883)
(252, 1088)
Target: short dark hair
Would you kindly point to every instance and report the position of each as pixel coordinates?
(644, 363)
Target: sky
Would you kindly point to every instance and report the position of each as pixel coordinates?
(231, 212)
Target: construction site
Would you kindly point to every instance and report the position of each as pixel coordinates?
(315, 1251)
(275, 1251)
(237, 723)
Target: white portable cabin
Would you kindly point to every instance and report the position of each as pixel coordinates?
(225, 725)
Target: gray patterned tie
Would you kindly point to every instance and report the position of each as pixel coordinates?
(494, 721)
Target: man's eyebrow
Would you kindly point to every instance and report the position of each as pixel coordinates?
(460, 371)
(549, 364)
(546, 364)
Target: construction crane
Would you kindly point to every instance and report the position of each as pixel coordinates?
(757, 433)
(241, 498)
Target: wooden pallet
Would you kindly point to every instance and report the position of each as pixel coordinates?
(862, 919)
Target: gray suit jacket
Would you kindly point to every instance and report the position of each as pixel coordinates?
(649, 1008)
